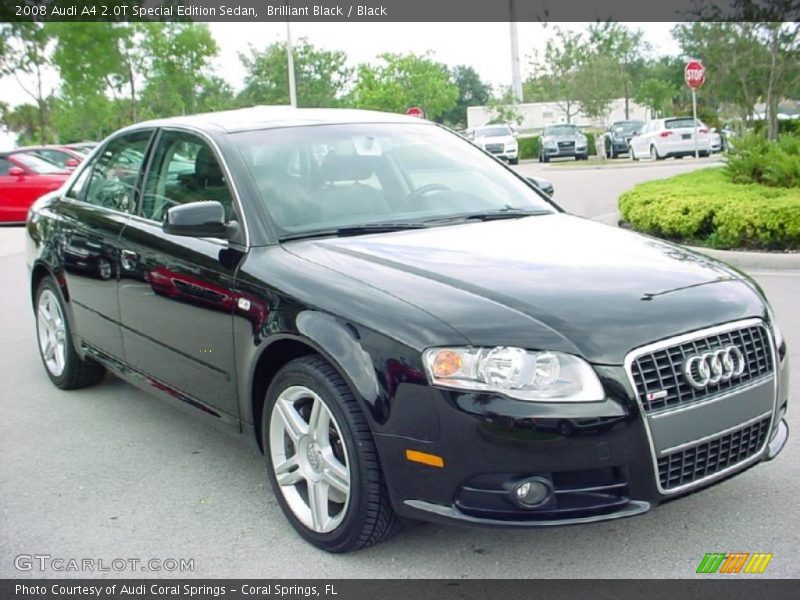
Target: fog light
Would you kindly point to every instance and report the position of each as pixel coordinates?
(533, 491)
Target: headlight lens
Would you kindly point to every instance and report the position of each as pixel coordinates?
(525, 375)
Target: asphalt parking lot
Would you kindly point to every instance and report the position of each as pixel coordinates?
(111, 472)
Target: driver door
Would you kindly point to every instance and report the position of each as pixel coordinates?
(175, 295)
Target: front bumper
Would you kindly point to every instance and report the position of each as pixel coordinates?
(565, 152)
(597, 457)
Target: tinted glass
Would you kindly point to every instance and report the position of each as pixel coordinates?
(627, 126)
(185, 169)
(320, 177)
(688, 122)
(492, 132)
(54, 156)
(115, 172)
(5, 165)
(37, 164)
(560, 130)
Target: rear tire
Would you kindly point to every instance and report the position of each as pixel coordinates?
(64, 366)
(513, 161)
(316, 439)
(633, 155)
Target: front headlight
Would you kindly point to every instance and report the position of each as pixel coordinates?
(549, 142)
(525, 375)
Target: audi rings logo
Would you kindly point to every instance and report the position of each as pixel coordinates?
(714, 367)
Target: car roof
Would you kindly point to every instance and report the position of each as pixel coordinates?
(270, 117)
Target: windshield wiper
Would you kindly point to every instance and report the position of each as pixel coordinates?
(354, 230)
(509, 212)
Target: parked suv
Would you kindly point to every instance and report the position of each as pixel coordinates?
(672, 137)
(405, 327)
(618, 136)
(499, 140)
(563, 140)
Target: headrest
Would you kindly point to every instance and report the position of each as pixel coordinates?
(206, 167)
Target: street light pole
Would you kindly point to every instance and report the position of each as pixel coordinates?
(290, 59)
(516, 78)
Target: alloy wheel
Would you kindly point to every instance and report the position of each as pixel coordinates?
(309, 459)
(52, 332)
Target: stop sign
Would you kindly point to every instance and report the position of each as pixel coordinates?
(694, 74)
(416, 111)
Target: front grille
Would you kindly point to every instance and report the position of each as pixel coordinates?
(566, 145)
(712, 456)
(661, 371)
(494, 148)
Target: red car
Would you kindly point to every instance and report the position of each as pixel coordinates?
(23, 179)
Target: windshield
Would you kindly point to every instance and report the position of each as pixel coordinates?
(561, 130)
(36, 164)
(338, 176)
(627, 126)
(493, 132)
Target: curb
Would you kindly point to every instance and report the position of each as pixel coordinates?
(760, 261)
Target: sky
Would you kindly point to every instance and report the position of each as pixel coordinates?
(484, 46)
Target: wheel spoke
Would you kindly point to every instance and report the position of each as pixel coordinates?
(49, 351)
(288, 472)
(293, 423)
(58, 355)
(45, 316)
(336, 474)
(319, 423)
(318, 503)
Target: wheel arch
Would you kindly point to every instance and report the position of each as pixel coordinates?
(277, 354)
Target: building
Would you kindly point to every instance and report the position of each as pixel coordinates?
(538, 114)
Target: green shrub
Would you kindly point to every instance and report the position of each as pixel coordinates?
(704, 207)
(528, 147)
(754, 159)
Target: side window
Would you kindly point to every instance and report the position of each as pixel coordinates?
(55, 157)
(184, 169)
(5, 165)
(115, 173)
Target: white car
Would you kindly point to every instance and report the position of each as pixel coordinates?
(716, 140)
(498, 140)
(671, 137)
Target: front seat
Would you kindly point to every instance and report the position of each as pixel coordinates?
(208, 182)
(342, 201)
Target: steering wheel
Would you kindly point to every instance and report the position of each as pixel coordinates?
(412, 198)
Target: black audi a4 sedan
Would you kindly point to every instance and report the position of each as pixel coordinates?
(405, 327)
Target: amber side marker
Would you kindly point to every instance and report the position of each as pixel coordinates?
(425, 458)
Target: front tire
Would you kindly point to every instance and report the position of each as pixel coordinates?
(322, 461)
(64, 366)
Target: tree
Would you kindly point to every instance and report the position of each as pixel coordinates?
(402, 81)
(564, 54)
(26, 52)
(179, 62)
(747, 62)
(597, 83)
(472, 91)
(657, 95)
(321, 76)
(622, 47)
(504, 108)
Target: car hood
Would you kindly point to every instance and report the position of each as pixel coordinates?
(556, 282)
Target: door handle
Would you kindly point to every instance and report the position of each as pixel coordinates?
(129, 258)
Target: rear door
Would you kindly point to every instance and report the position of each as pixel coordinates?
(94, 210)
(176, 298)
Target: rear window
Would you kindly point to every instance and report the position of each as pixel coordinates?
(687, 122)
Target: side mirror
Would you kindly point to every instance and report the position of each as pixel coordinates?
(17, 172)
(196, 219)
(72, 163)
